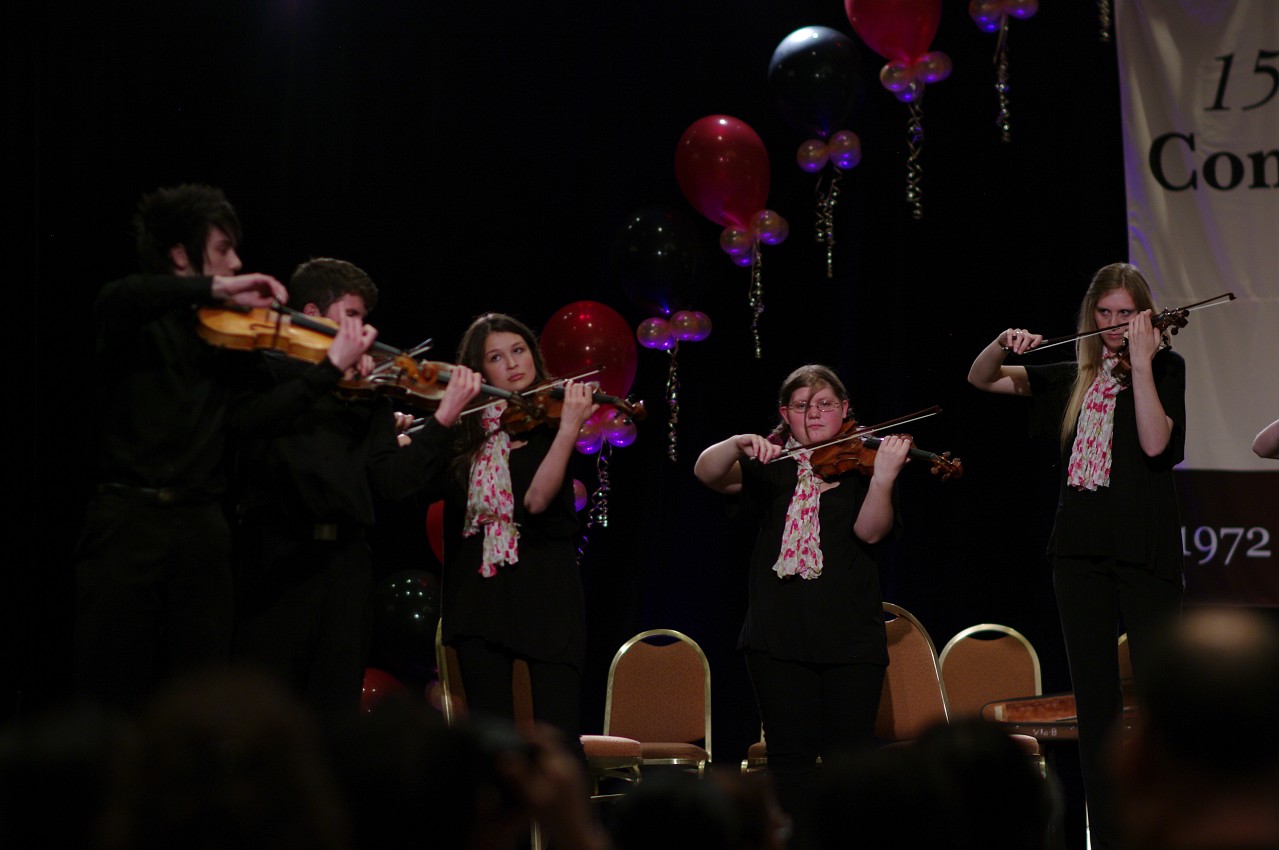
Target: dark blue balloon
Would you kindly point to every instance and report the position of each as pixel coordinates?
(406, 609)
(815, 79)
(658, 260)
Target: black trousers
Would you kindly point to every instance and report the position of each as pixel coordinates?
(303, 614)
(811, 710)
(486, 675)
(153, 595)
(1094, 595)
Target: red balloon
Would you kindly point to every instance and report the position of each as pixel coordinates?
(378, 684)
(898, 30)
(586, 335)
(435, 529)
(722, 168)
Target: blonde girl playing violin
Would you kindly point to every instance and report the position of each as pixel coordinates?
(511, 586)
(814, 631)
(1116, 545)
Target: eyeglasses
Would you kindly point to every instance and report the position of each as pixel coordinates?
(823, 406)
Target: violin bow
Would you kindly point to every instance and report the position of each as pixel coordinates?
(1224, 298)
(558, 382)
(891, 423)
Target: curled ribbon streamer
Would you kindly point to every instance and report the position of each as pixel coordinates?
(672, 400)
(826, 199)
(757, 300)
(1103, 18)
(599, 510)
(1002, 121)
(914, 168)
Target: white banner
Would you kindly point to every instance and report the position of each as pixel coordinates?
(1200, 94)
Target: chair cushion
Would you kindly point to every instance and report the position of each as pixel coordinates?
(663, 750)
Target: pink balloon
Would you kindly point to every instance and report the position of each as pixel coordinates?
(579, 495)
(684, 325)
(617, 427)
(899, 30)
(1022, 9)
(914, 91)
(812, 156)
(722, 169)
(703, 326)
(933, 67)
(587, 335)
(745, 260)
(845, 150)
(736, 241)
(896, 76)
(770, 227)
(987, 14)
(590, 439)
(656, 333)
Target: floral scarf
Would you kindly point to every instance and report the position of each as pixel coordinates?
(490, 503)
(801, 552)
(1090, 456)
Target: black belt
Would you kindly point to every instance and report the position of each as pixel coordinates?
(158, 495)
(329, 532)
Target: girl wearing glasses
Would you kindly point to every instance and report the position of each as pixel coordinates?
(1116, 545)
(814, 632)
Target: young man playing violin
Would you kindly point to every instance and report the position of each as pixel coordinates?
(153, 562)
(307, 474)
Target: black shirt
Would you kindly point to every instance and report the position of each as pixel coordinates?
(1135, 519)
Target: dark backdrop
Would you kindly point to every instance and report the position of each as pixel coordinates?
(481, 157)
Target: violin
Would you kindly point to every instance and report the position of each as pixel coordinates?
(853, 450)
(1170, 320)
(419, 385)
(290, 332)
(856, 453)
(543, 406)
(415, 384)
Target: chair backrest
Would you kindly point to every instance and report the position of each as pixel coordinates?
(914, 697)
(452, 694)
(659, 690)
(1125, 658)
(988, 662)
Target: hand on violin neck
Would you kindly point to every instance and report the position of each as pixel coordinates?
(351, 343)
(463, 385)
(248, 290)
(890, 456)
(578, 406)
(1143, 341)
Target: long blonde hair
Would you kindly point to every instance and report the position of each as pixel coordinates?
(1088, 350)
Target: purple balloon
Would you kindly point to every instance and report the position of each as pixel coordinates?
(579, 495)
(812, 156)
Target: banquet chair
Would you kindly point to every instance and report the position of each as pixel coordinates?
(659, 693)
(607, 756)
(988, 662)
(914, 697)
